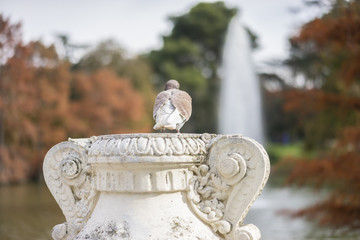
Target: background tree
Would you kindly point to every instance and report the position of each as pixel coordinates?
(191, 54)
(281, 126)
(43, 102)
(109, 55)
(34, 99)
(102, 103)
(10, 36)
(68, 49)
(326, 54)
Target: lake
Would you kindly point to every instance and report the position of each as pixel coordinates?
(28, 212)
(274, 226)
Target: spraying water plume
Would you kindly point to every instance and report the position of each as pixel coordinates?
(240, 110)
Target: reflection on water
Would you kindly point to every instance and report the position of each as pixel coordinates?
(265, 215)
(28, 212)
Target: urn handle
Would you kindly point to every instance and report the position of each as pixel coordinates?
(68, 177)
(225, 186)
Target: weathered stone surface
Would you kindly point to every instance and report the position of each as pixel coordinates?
(156, 186)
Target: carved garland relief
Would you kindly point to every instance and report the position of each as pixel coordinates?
(222, 190)
(228, 173)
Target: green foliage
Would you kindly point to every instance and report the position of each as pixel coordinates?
(281, 126)
(279, 151)
(205, 25)
(191, 54)
(107, 54)
(283, 159)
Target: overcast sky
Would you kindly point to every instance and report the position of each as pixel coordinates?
(139, 24)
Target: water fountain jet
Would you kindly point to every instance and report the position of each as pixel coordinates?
(240, 108)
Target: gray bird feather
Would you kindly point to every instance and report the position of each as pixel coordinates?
(179, 99)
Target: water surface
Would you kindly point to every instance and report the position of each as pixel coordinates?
(29, 212)
(265, 214)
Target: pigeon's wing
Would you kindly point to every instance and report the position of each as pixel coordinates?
(160, 100)
(182, 102)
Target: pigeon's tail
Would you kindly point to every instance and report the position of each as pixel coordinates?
(167, 126)
(175, 117)
(158, 126)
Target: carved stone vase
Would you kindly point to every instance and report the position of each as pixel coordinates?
(156, 186)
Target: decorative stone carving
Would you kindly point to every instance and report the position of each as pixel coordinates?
(69, 178)
(223, 189)
(134, 186)
(126, 145)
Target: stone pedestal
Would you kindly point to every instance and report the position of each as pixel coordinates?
(156, 186)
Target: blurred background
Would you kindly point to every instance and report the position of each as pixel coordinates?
(84, 68)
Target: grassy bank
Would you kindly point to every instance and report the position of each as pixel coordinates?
(283, 158)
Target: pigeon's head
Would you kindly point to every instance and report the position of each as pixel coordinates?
(172, 84)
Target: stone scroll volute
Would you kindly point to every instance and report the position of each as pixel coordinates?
(220, 176)
(225, 186)
(68, 177)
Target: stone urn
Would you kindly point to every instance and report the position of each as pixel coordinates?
(156, 186)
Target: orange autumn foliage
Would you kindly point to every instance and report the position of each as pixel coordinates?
(108, 104)
(338, 170)
(327, 53)
(42, 102)
(33, 93)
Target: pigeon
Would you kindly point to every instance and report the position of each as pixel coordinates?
(172, 107)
